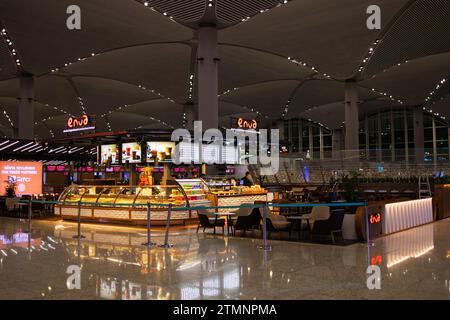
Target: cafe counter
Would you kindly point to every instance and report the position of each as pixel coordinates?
(124, 204)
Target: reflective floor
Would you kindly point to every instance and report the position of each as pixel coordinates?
(114, 265)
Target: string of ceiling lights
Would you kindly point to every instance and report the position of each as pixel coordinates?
(8, 118)
(157, 120)
(281, 3)
(56, 69)
(105, 115)
(210, 4)
(426, 106)
(12, 48)
(147, 5)
(191, 87)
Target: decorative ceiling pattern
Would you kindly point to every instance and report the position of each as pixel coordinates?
(132, 64)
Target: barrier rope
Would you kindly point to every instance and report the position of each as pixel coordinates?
(202, 207)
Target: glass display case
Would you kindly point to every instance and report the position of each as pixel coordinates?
(196, 191)
(115, 196)
(218, 184)
(125, 202)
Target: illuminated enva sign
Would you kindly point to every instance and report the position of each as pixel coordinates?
(84, 123)
(246, 124)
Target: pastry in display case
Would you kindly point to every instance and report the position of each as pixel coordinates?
(124, 203)
(196, 190)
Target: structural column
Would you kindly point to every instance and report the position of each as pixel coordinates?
(26, 107)
(351, 120)
(208, 106)
(336, 143)
(418, 135)
(321, 153)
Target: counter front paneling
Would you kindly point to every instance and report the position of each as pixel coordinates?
(238, 199)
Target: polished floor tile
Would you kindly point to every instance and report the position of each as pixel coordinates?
(115, 265)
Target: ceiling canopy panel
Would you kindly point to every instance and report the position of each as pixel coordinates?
(227, 109)
(104, 95)
(313, 94)
(160, 110)
(163, 68)
(230, 12)
(268, 98)
(414, 80)
(128, 120)
(330, 35)
(9, 88)
(39, 31)
(183, 11)
(330, 115)
(240, 66)
(58, 92)
(422, 30)
(7, 67)
(9, 115)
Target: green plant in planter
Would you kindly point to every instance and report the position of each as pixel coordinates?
(10, 189)
(349, 185)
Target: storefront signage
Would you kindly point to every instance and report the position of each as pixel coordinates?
(27, 176)
(246, 124)
(83, 123)
(376, 260)
(131, 152)
(109, 154)
(375, 218)
(163, 151)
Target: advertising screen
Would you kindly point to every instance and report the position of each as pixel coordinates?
(161, 150)
(26, 175)
(131, 152)
(109, 153)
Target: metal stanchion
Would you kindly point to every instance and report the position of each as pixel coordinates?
(79, 235)
(166, 238)
(30, 213)
(265, 246)
(148, 243)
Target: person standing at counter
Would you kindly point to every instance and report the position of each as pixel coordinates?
(247, 180)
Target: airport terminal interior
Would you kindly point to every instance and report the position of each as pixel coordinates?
(224, 149)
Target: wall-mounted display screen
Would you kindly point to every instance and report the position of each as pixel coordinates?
(27, 176)
(131, 152)
(163, 151)
(109, 153)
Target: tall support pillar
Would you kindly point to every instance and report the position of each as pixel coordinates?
(405, 132)
(351, 121)
(321, 152)
(336, 143)
(207, 57)
(419, 144)
(434, 143)
(448, 137)
(311, 141)
(26, 107)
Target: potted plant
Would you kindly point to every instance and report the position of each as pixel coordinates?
(10, 191)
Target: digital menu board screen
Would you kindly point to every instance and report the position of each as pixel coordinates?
(109, 154)
(131, 152)
(27, 176)
(163, 151)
